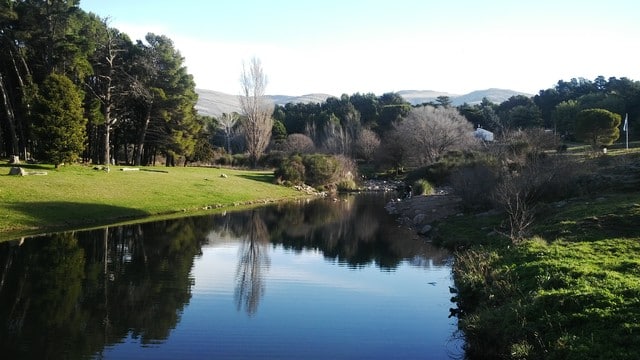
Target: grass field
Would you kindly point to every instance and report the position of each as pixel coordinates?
(571, 291)
(79, 196)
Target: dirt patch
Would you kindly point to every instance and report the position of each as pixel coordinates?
(419, 212)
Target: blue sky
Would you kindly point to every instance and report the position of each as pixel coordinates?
(348, 46)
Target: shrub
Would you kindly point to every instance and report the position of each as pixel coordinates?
(240, 160)
(347, 185)
(319, 169)
(474, 184)
(224, 160)
(291, 171)
(273, 159)
(422, 187)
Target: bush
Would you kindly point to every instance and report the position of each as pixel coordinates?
(474, 183)
(240, 160)
(224, 160)
(422, 187)
(273, 159)
(347, 185)
(291, 171)
(318, 170)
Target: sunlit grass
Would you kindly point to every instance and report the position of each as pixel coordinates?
(79, 195)
(570, 292)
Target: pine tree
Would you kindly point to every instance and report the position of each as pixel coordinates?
(58, 123)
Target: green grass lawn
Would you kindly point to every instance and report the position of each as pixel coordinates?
(571, 292)
(79, 196)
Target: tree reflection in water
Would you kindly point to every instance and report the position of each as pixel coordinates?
(71, 295)
(253, 259)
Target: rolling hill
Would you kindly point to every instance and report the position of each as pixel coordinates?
(214, 103)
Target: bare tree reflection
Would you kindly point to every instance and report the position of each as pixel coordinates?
(253, 259)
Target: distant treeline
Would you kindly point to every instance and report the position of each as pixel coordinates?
(74, 88)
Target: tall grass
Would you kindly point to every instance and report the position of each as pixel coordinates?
(78, 195)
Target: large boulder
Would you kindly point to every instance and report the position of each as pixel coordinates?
(15, 170)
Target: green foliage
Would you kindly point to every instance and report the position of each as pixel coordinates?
(241, 160)
(571, 297)
(278, 132)
(598, 127)
(422, 187)
(58, 123)
(202, 151)
(291, 170)
(439, 172)
(317, 170)
(347, 185)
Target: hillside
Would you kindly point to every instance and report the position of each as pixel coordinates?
(214, 103)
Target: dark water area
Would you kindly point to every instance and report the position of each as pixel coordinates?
(316, 280)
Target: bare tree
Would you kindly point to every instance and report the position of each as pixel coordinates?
(428, 132)
(367, 144)
(298, 143)
(253, 261)
(258, 123)
(227, 122)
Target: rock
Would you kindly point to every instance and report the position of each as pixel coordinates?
(418, 219)
(223, 176)
(17, 171)
(560, 204)
(14, 160)
(22, 172)
(425, 230)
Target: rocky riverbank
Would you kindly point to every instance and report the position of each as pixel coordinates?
(419, 212)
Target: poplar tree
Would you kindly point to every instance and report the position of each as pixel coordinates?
(258, 122)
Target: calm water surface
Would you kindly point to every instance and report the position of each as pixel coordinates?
(323, 280)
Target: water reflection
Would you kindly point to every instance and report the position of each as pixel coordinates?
(253, 259)
(71, 295)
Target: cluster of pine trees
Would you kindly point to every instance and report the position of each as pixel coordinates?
(73, 87)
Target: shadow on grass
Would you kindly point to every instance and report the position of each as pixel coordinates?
(266, 178)
(60, 215)
(27, 166)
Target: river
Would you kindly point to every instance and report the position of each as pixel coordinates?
(321, 279)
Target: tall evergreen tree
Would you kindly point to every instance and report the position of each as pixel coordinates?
(58, 122)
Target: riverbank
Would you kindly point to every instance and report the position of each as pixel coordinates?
(569, 292)
(80, 196)
(420, 212)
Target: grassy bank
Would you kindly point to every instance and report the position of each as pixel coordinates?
(79, 196)
(572, 291)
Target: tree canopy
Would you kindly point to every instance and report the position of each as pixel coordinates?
(598, 126)
(58, 124)
(137, 98)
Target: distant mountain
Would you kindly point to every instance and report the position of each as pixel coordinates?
(416, 97)
(496, 96)
(214, 103)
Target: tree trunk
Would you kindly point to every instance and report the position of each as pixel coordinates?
(143, 134)
(13, 137)
(107, 155)
(21, 128)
